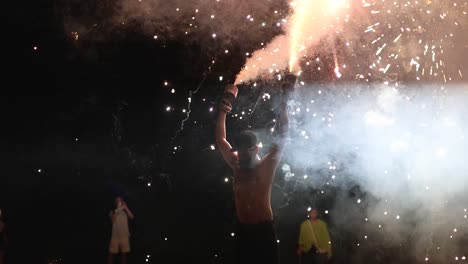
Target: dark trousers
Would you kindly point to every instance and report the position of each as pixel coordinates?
(256, 244)
(312, 257)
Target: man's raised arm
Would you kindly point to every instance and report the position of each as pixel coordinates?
(221, 141)
(283, 119)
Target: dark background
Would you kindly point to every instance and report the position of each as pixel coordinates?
(91, 116)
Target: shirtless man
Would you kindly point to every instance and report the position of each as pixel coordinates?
(255, 237)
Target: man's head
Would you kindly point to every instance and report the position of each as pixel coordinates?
(246, 148)
(313, 214)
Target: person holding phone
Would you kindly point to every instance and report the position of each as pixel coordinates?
(120, 240)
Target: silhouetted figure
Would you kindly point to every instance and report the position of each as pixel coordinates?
(255, 236)
(120, 240)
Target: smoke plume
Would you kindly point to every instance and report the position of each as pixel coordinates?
(406, 148)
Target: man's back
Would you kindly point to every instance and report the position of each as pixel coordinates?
(252, 192)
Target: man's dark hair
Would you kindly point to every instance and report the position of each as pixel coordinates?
(245, 141)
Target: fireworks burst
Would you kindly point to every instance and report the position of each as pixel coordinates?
(383, 40)
(408, 40)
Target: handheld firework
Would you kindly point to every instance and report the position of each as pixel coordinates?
(288, 85)
(229, 96)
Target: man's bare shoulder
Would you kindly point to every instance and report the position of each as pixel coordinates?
(259, 171)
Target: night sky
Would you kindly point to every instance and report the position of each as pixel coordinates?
(86, 120)
(89, 116)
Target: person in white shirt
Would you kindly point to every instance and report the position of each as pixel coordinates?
(120, 240)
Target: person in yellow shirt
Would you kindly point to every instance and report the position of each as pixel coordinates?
(314, 240)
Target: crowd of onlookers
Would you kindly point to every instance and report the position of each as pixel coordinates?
(314, 239)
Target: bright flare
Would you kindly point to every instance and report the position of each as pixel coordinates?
(312, 19)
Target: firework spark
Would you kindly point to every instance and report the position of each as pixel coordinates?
(310, 22)
(385, 40)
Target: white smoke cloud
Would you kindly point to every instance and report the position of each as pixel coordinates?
(406, 147)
